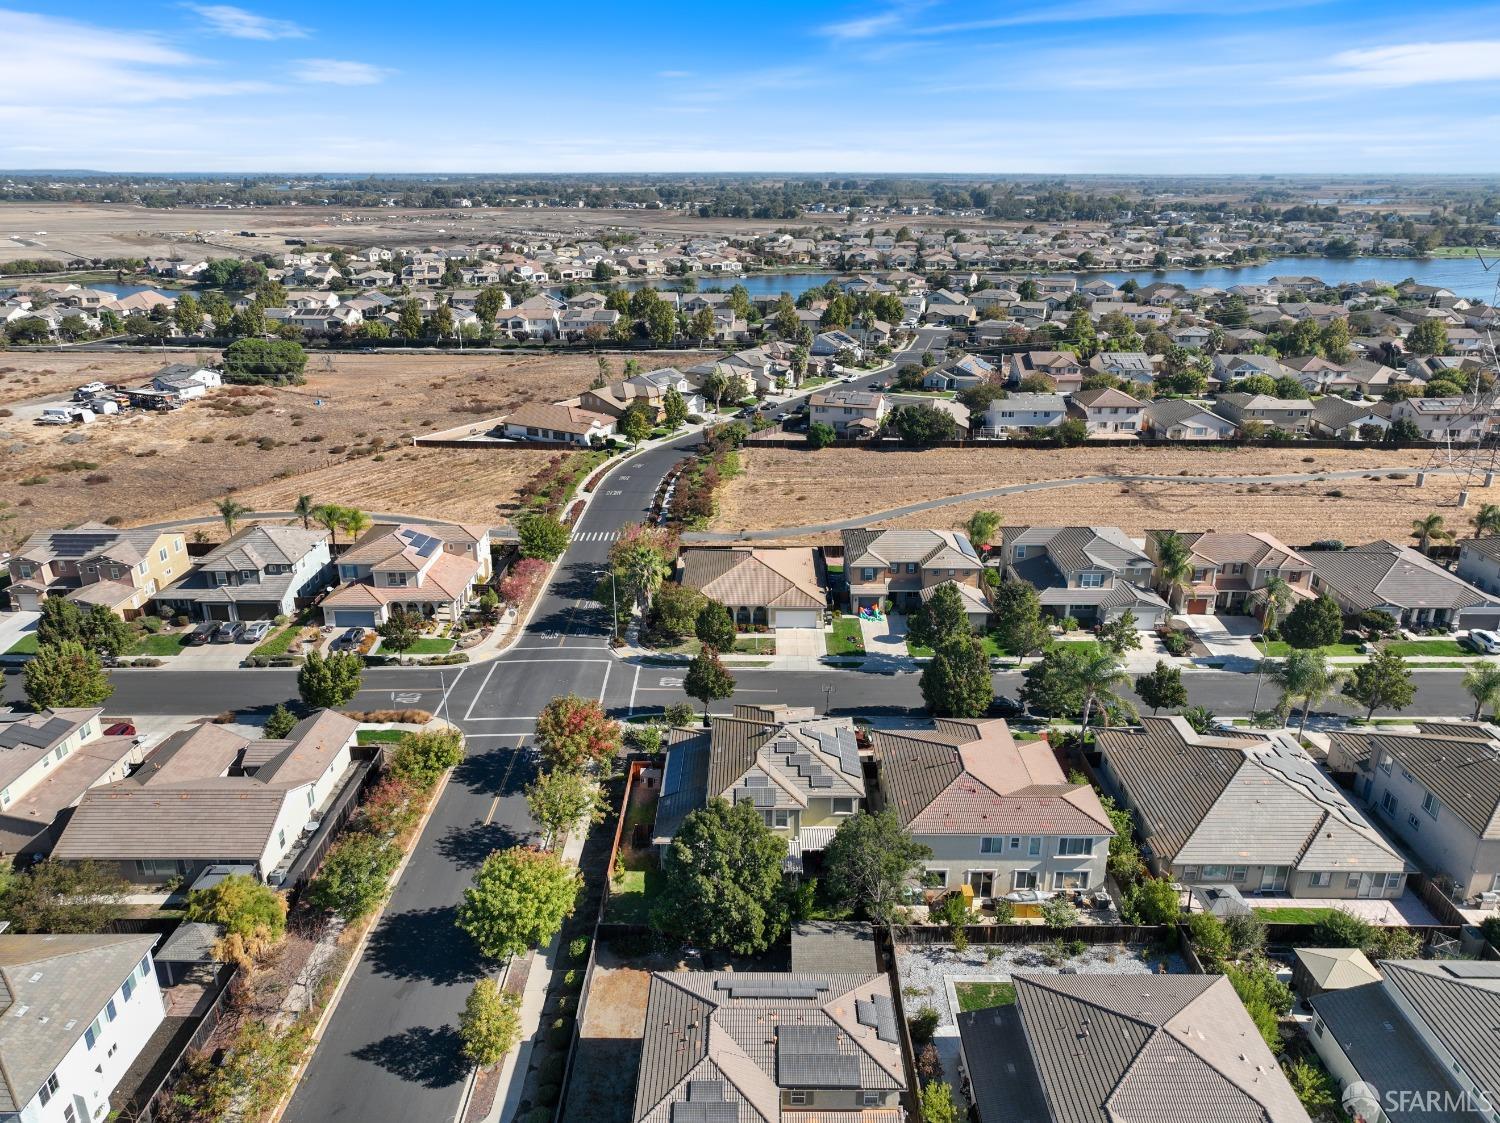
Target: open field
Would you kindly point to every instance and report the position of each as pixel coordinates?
(790, 487)
(343, 437)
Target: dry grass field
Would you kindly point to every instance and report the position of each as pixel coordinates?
(343, 437)
(789, 487)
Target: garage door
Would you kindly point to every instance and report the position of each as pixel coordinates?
(259, 610)
(796, 618)
(351, 618)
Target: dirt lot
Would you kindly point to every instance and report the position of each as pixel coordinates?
(343, 437)
(789, 487)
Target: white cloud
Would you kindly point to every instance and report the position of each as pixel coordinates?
(864, 27)
(1413, 64)
(674, 73)
(338, 72)
(225, 19)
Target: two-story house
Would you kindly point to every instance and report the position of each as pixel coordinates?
(1062, 367)
(1093, 574)
(852, 413)
(1231, 570)
(1136, 366)
(208, 796)
(1479, 563)
(259, 574)
(405, 566)
(1250, 810)
(1291, 415)
(1022, 415)
(97, 564)
(999, 816)
(1108, 413)
(1182, 419)
(75, 1013)
(801, 772)
(1441, 419)
(1436, 788)
(900, 565)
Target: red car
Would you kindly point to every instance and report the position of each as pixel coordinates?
(120, 729)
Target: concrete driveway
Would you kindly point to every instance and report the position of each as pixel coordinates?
(209, 657)
(1227, 636)
(14, 625)
(804, 643)
(884, 637)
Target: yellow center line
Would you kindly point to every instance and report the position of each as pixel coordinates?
(491, 813)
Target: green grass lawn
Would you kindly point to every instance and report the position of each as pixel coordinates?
(1280, 649)
(1445, 647)
(278, 643)
(632, 895)
(26, 645)
(833, 568)
(846, 638)
(1292, 915)
(430, 645)
(380, 736)
(160, 645)
(991, 645)
(983, 996)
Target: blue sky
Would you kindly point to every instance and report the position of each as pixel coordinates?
(1149, 86)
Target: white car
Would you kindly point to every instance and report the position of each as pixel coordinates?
(1485, 642)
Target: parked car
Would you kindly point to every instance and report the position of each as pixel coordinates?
(120, 729)
(255, 631)
(348, 640)
(202, 634)
(1484, 642)
(228, 632)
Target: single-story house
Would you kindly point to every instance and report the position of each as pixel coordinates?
(759, 586)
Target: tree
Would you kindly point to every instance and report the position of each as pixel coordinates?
(1071, 431)
(1200, 719)
(1018, 614)
(942, 618)
(1152, 900)
(820, 434)
(303, 509)
(981, 528)
(707, 679)
(869, 862)
(674, 609)
(519, 900)
(1162, 687)
(674, 407)
(642, 559)
(1097, 675)
(355, 876)
(1383, 682)
(1059, 912)
(1120, 634)
(574, 732)
(262, 360)
(542, 536)
(188, 314)
(1174, 566)
(328, 681)
(1487, 521)
(490, 1025)
(65, 674)
(280, 723)
(64, 898)
(956, 682)
(1305, 676)
(937, 1103)
(231, 510)
(1428, 337)
(400, 630)
(1403, 430)
(636, 423)
(61, 621)
(560, 800)
(409, 319)
(661, 323)
(1482, 683)
(330, 516)
(1276, 594)
(353, 522)
(421, 757)
(923, 424)
(701, 326)
(1314, 623)
(244, 906)
(1428, 530)
(714, 627)
(488, 303)
(722, 883)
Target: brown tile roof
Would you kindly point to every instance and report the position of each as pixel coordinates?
(754, 577)
(565, 419)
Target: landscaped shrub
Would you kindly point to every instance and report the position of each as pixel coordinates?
(550, 1071)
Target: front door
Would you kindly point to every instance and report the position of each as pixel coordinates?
(1273, 879)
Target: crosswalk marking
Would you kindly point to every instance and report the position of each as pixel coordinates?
(597, 536)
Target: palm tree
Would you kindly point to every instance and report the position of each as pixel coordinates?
(1482, 681)
(354, 522)
(1487, 521)
(1430, 530)
(303, 509)
(1097, 675)
(330, 517)
(1174, 569)
(642, 571)
(1306, 677)
(1278, 595)
(231, 510)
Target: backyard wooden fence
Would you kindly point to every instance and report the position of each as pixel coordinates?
(155, 1090)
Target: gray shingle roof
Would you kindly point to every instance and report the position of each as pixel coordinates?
(1459, 1002)
(1383, 573)
(1462, 771)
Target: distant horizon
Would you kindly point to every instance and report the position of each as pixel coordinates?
(317, 173)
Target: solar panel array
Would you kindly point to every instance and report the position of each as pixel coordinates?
(671, 779)
(794, 756)
(840, 743)
(879, 1014)
(705, 1104)
(16, 734)
(772, 988)
(424, 545)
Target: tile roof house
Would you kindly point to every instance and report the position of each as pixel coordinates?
(403, 565)
(75, 1013)
(96, 564)
(1422, 1040)
(1293, 415)
(1441, 419)
(1182, 419)
(1106, 1048)
(208, 796)
(1231, 570)
(1437, 790)
(852, 413)
(900, 565)
(48, 760)
(1107, 412)
(1062, 367)
(800, 771)
(543, 421)
(1350, 420)
(768, 1047)
(1249, 810)
(778, 587)
(260, 573)
(998, 815)
(1094, 574)
(1405, 585)
(1021, 415)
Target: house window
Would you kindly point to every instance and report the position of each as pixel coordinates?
(1034, 846)
(1015, 844)
(1074, 847)
(1412, 821)
(1407, 776)
(281, 838)
(129, 988)
(397, 579)
(988, 845)
(1091, 580)
(867, 575)
(1189, 873)
(798, 1097)
(911, 567)
(91, 1035)
(1070, 879)
(69, 1114)
(1385, 763)
(1238, 873)
(1020, 552)
(5, 797)
(1215, 873)
(1320, 880)
(934, 879)
(1430, 805)
(143, 967)
(843, 806)
(869, 1099)
(1318, 1027)
(48, 1089)
(162, 553)
(109, 1011)
(1023, 879)
(1388, 802)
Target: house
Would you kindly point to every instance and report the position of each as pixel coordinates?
(832, 342)
(97, 564)
(961, 373)
(186, 380)
(1410, 588)
(954, 409)
(776, 587)
(1231, 368)
(770, 1047)
(1437, 791)
(261, 573)
(1479, 563)
(852, 413)
(1061, 367)
(1093, 574)
(1133, 365)
(1231, 570)
(800, 771)
(1442, 419)
(208, 796)
(1291, 415)
(1022, 415)
(75, 1013)
(1418, 1045)
(1348, 420)
(1181, 419)
(543, 421)
(898, 565)
(48, 759)
(1107, 412)
(1249, 810)
(400, 566)
(1095, 1048)
(999, 816)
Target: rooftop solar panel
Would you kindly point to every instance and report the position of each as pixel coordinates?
(817, 1070)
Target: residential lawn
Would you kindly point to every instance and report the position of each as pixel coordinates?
(430, 645)
(380, 736)
(632, 895)
(1280, 649)
(984, 996)
(160, 645)
(814, 382)
(1443, 647)
(26, 645)
(278, 643)
(833, 568)
(992, 648)
(743, 645)
(846, 638)
(1293, 915)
